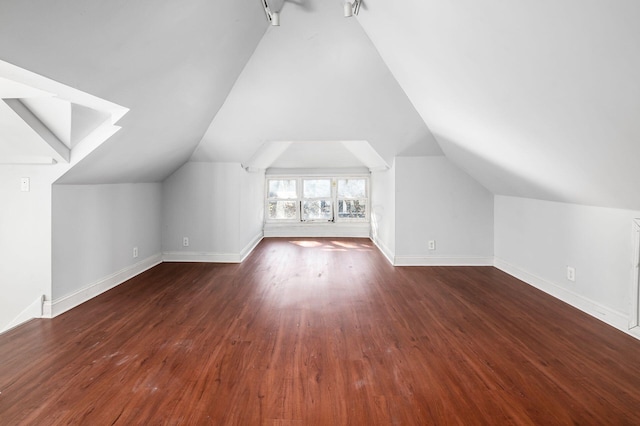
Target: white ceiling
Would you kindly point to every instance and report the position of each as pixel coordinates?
(19, 142)
(534, 99)
(317, 77)
(316, 155)
(171, 63)
(44, 122)
(539, 99)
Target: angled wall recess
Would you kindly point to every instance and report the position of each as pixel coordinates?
(46, 122)
(315, 155)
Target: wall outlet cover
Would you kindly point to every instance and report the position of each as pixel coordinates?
(25, 184)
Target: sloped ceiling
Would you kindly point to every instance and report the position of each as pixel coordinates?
(316, 155)
(317, 77)
(171, 62)
(534, 99)
(539, 99)
(43, 122)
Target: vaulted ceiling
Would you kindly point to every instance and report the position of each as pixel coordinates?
(533, 99)
(43, 122)
(317, 77)
(539, 99)
(172, 63)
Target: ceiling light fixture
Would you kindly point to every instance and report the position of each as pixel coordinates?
(351, 9)
(273, 17)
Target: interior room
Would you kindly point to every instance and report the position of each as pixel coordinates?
(479, 157)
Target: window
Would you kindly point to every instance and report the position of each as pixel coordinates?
(282, 199)
(317, 199)
(352, 199)
(317, 202)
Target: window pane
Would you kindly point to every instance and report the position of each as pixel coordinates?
(283, 210)
(352, 188)
(352, 209)
(317, 188)
(282, 188)
(317, 210)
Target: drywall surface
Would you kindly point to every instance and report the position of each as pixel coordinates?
(383, 210)
(534, 99)
(317, 77)
(25, 239)
(217, 206)
(172, 63)
(542, 238)
(251, 191)
(435, 200)
(187, 206)
(96, 227)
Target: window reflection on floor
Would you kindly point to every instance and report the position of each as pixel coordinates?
(307, 243)
(333, 245)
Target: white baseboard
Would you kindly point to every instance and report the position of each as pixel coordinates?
(634, 331)
(443, 261)
(246, 251)
(34, 310)
(56, 307)
(327, 230)
(212, 257)
(53, 308)
(386, 251)
(614, 318)
(200, 256)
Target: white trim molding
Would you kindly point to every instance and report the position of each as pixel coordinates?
(53, 308)
(200, 256)
(607, 315)
(634, 288)
(34, 310)
(248, 249)
(386, 251)
(328, 230)
(443, 261)
(212, 257)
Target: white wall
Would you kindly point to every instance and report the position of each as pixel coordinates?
(536, 241)
(205, 202)
(95, 228)
(435, 200)
(533, 99)
(383, 210)
(325, 82)
(25, 241)
(251, 190)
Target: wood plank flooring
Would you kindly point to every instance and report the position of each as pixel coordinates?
(319, 332)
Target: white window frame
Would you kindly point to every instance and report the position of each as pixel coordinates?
(366, 200)
(331, 199)
(270, 199)
(334, 198)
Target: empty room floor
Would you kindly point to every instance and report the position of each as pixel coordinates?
(319, 331)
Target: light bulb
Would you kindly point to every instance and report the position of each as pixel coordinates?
(348, 9)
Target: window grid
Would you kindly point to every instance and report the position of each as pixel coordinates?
(317, 199)
(352, 200)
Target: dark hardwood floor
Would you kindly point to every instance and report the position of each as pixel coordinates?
(321, 332)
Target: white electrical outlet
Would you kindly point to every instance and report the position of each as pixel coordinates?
(135, 252)
(432, 245)
(25, 184)
(571, 273)
(185, 241)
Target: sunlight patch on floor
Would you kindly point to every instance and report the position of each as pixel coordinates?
(307, 244)
(333, 246)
